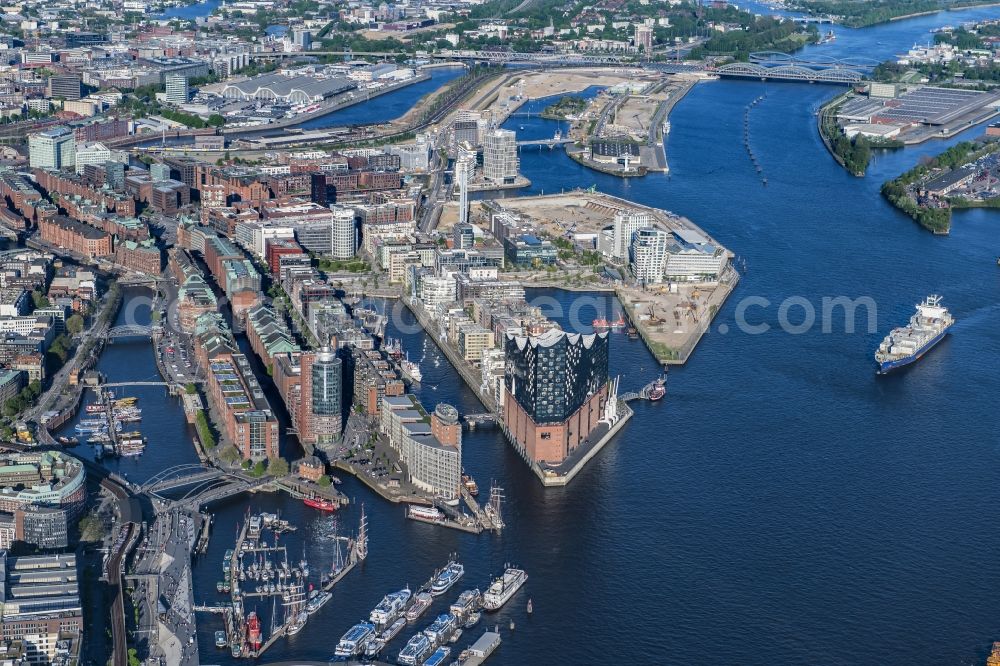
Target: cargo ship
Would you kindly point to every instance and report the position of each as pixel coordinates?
(446, 578)
(907, 344)
(503, 588)
(390, 607)
(319, 503)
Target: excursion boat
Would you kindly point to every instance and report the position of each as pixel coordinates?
(95, 409)
(353, 642)
(414, 651)
(373, 647)
(390, 607)
(320, 503)
(220, 639)
(657, 390)
(472, 621)
(503, 588)
(296, 625)
(411, 370)
(253, 531)
(446, 578)
(317, 602)
(467, 603)
(907, 344)
(470, 485)
(427, 514)
(421, 603)
(441, 628)
(393, 630)
(438, 657)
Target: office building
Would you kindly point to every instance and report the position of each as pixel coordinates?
(429, 446)
(40, 605)
(500, 161)
(690, 256)
(52, 149)
(64, 86)
(556, 385)
(177, 90)
(647, 254)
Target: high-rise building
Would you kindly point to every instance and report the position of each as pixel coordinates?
(625, 224)
(177, 90)
(65, 86)
(647, 254)
(464, 236)
(344, 236)
(465, 168)
(500, 162)
(327, 383)
(556, 386)
(644, 38)
(52, 149)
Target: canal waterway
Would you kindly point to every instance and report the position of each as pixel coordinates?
(782, 502)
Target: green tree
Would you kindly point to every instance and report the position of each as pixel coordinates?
(324, 481)
(216, 120)
(258, 469)
(190, 389)
(277, 467)
(74, 324)
(39, 299)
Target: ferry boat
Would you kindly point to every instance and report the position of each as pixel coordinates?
(470, 485)
(320, 503)
(907, 344)
(446, 578)
(421, 603)
(390, 607)
(253, 630)
(353, 642)
(317, 602)
(467, 603)
(438, 657)
(427, 514)
(414, 651)
(220, 639)
(393, 630)
(503, 588)
(619, 323)
(441, 628)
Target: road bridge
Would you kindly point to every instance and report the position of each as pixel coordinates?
(130, 331)
(179, 476)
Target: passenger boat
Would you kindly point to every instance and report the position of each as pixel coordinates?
(390, 607)
(503, 588)
(96, 408)
(220, 639)
(600, 324)
(446, 578)
(421, 603)
(320, 503)
(438, 657)
(393, 630)
(414, 651)
(441, 628)
(317, 602)
(427, 514)
(470, 485)
(907, 344)
(253, 531)
(467, 603)
(296, 625)
(410, 370)
(619, 323)
(253, 630)
(472, 621)
(353, 642)
(373, 647)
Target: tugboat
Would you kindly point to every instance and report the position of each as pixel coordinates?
(319, 503)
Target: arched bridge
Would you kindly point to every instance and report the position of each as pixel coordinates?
(179, 476)
(750, 70)
(130, 331)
